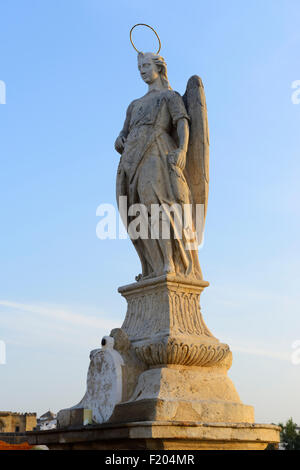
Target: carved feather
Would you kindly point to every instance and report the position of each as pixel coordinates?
(197, 163)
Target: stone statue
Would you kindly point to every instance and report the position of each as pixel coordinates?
(160, 381)
(165, 150)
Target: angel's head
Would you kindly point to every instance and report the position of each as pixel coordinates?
(153, 67)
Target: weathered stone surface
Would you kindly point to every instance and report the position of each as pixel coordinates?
(185, 393)
(71, 417)
(164, 147)
(112, 377)
(132, 367)
(165, 324)
(16, 422)
(159, 436)
(104, 388)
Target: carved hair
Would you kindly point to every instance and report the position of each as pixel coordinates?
(161, 65)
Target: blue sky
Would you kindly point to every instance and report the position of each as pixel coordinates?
(70, 73)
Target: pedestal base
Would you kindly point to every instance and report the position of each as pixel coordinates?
(189, 394)
(160, 436)
(176, 393)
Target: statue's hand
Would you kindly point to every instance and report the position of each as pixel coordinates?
(119, 143)
(178, 158)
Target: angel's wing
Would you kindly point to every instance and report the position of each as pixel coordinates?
(197, 162)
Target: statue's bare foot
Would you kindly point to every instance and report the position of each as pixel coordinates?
(149, 276)
(169, 268)
(140, 277)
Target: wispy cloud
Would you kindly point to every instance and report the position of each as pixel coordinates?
(62, 314)
(34, 325)
(252, 350)
(66, 319)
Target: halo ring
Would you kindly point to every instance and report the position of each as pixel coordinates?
(143, 24)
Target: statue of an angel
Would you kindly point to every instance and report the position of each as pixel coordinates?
(164, 145)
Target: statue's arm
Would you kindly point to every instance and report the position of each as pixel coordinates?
(121, 139)
(183, 133)
(180, 119)
(178, 157)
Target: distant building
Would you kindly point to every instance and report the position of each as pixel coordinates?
(17, 422)
(46, 421)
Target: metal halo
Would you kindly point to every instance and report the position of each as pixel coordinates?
(143, 24)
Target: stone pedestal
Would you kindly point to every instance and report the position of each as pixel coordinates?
(165, 325)
(176, 393)
(186, 377)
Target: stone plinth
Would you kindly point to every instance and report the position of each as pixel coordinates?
(172, 394)
(159, 436)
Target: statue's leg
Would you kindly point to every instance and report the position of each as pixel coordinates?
(165, 244)
(147, 269)
(122, 191)
(151, 192)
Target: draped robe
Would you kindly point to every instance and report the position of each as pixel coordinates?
(146, 176)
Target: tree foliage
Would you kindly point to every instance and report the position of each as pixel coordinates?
(290, 435)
